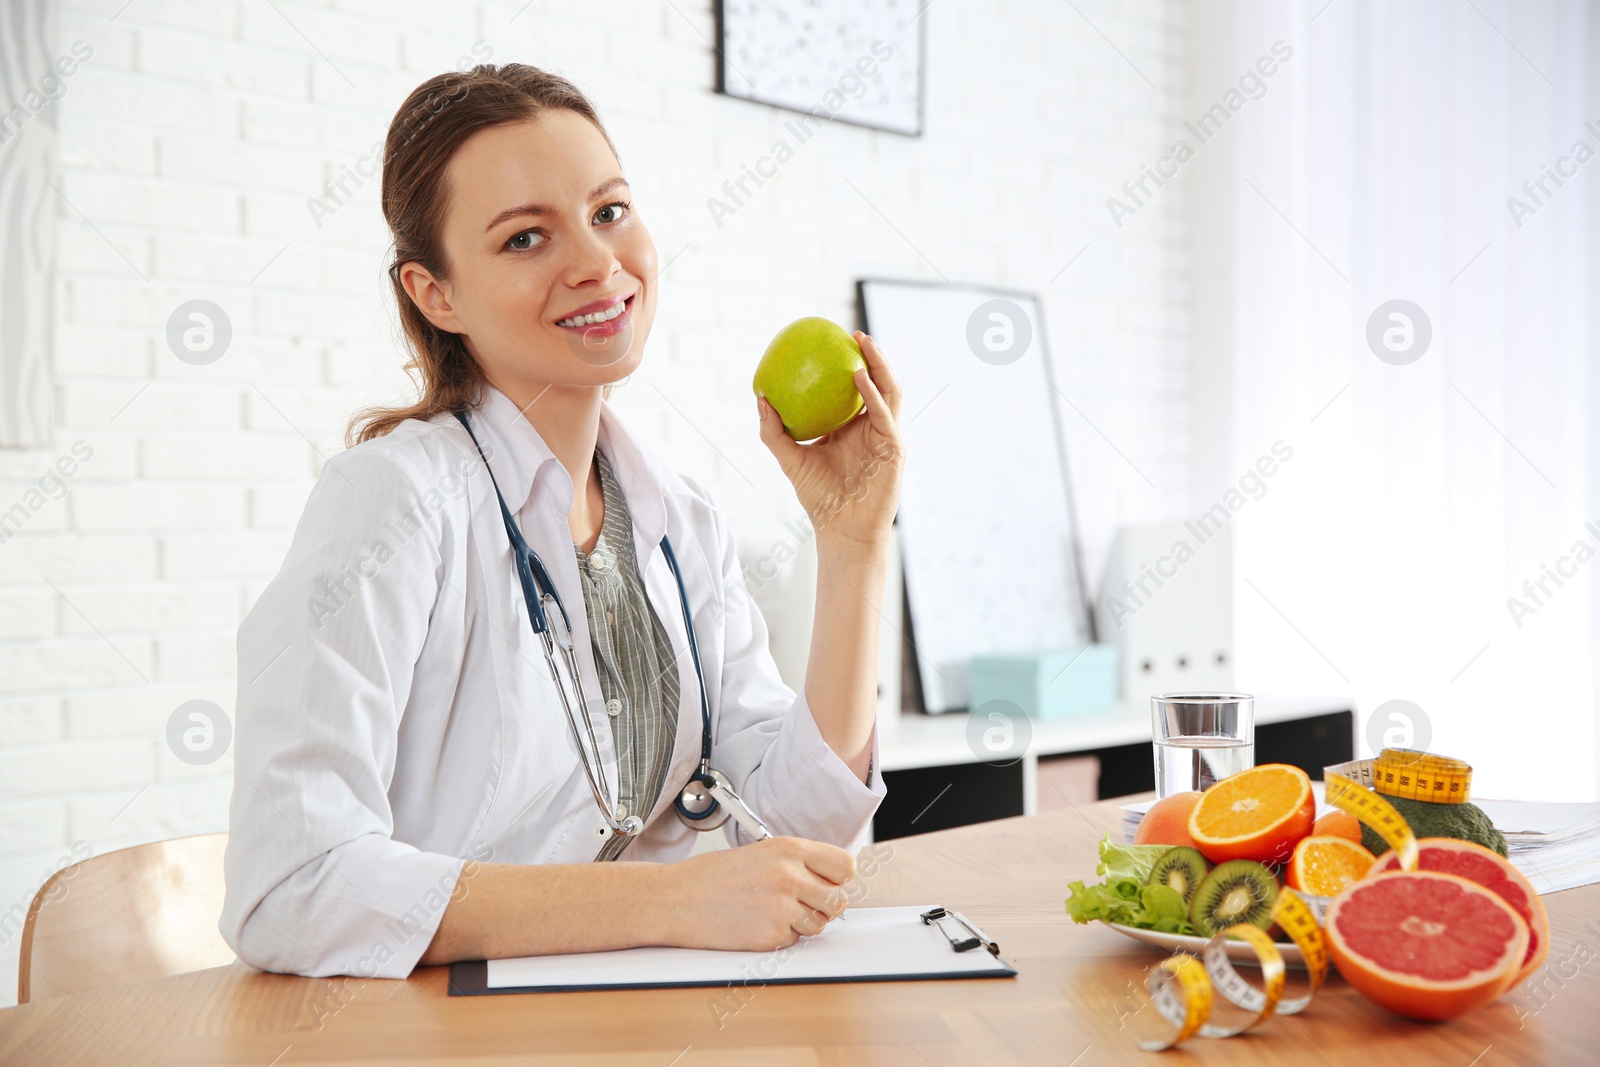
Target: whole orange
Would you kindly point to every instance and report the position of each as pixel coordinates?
(1167, 821)
(1338, 824)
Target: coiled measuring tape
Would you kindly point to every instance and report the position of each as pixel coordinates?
(1405, 772)
(1183, 989)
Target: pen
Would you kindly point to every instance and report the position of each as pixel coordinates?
(740, 810)
(742, 814)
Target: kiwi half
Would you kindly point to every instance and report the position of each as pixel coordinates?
(1182, 868)
(1239, 891)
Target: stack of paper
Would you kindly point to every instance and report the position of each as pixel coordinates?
(1556, 845)
(1131, 814)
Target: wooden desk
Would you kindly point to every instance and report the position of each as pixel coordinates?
(1010, 876)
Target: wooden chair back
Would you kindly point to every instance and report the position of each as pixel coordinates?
(131, 915)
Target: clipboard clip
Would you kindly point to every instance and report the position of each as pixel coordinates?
(973, 938)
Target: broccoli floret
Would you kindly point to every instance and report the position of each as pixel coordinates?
(1464, 822)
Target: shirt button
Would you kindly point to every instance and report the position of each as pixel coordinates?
(613, 707)
(597, 563)
(622, 812)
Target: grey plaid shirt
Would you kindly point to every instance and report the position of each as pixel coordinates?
(638, 673)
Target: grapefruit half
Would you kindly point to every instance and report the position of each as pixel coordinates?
(1424, 944)
(1486, 867)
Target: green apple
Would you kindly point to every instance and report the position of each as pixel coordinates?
(808, 376)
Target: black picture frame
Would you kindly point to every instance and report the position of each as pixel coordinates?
(720, 17)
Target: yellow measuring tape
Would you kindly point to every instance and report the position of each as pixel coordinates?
(1405, 772)
(1348, 787)
(1183, 989)
(1187, 1006)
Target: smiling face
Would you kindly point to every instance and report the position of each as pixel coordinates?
(539, 226)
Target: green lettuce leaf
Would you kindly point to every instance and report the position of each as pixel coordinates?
(1134, 861)
(1124, 897)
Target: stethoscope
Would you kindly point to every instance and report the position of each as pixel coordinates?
(699, 802)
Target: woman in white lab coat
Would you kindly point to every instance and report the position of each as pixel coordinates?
(407, 788)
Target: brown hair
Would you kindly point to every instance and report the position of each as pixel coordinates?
(438, 116)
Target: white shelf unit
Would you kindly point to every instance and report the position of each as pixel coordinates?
(915, 740)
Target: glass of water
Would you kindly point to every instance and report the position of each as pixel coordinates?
(1201, 738)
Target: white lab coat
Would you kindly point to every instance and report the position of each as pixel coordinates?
(396, 716)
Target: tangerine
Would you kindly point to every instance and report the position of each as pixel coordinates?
(1338, 823)
(1167, 821)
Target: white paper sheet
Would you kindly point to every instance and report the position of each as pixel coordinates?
(869, 943)
(1536, 817)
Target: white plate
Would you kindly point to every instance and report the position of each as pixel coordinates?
(1238, 951)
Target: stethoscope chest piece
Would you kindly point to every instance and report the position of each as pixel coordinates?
(697, 807)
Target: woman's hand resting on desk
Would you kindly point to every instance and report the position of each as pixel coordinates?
(758, 897)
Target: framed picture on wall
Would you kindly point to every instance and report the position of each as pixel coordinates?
(988, 533)
(855, 61)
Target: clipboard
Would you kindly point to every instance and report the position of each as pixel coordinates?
(892, 944)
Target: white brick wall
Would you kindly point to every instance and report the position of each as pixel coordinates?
(190, 144)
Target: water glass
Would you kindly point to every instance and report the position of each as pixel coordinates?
(1201, 738)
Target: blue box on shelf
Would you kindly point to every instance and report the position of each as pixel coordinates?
(1048, 684)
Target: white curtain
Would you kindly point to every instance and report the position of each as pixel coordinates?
(1380, 165)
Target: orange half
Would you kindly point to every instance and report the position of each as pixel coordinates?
(1325, 865)
(1258, 814)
